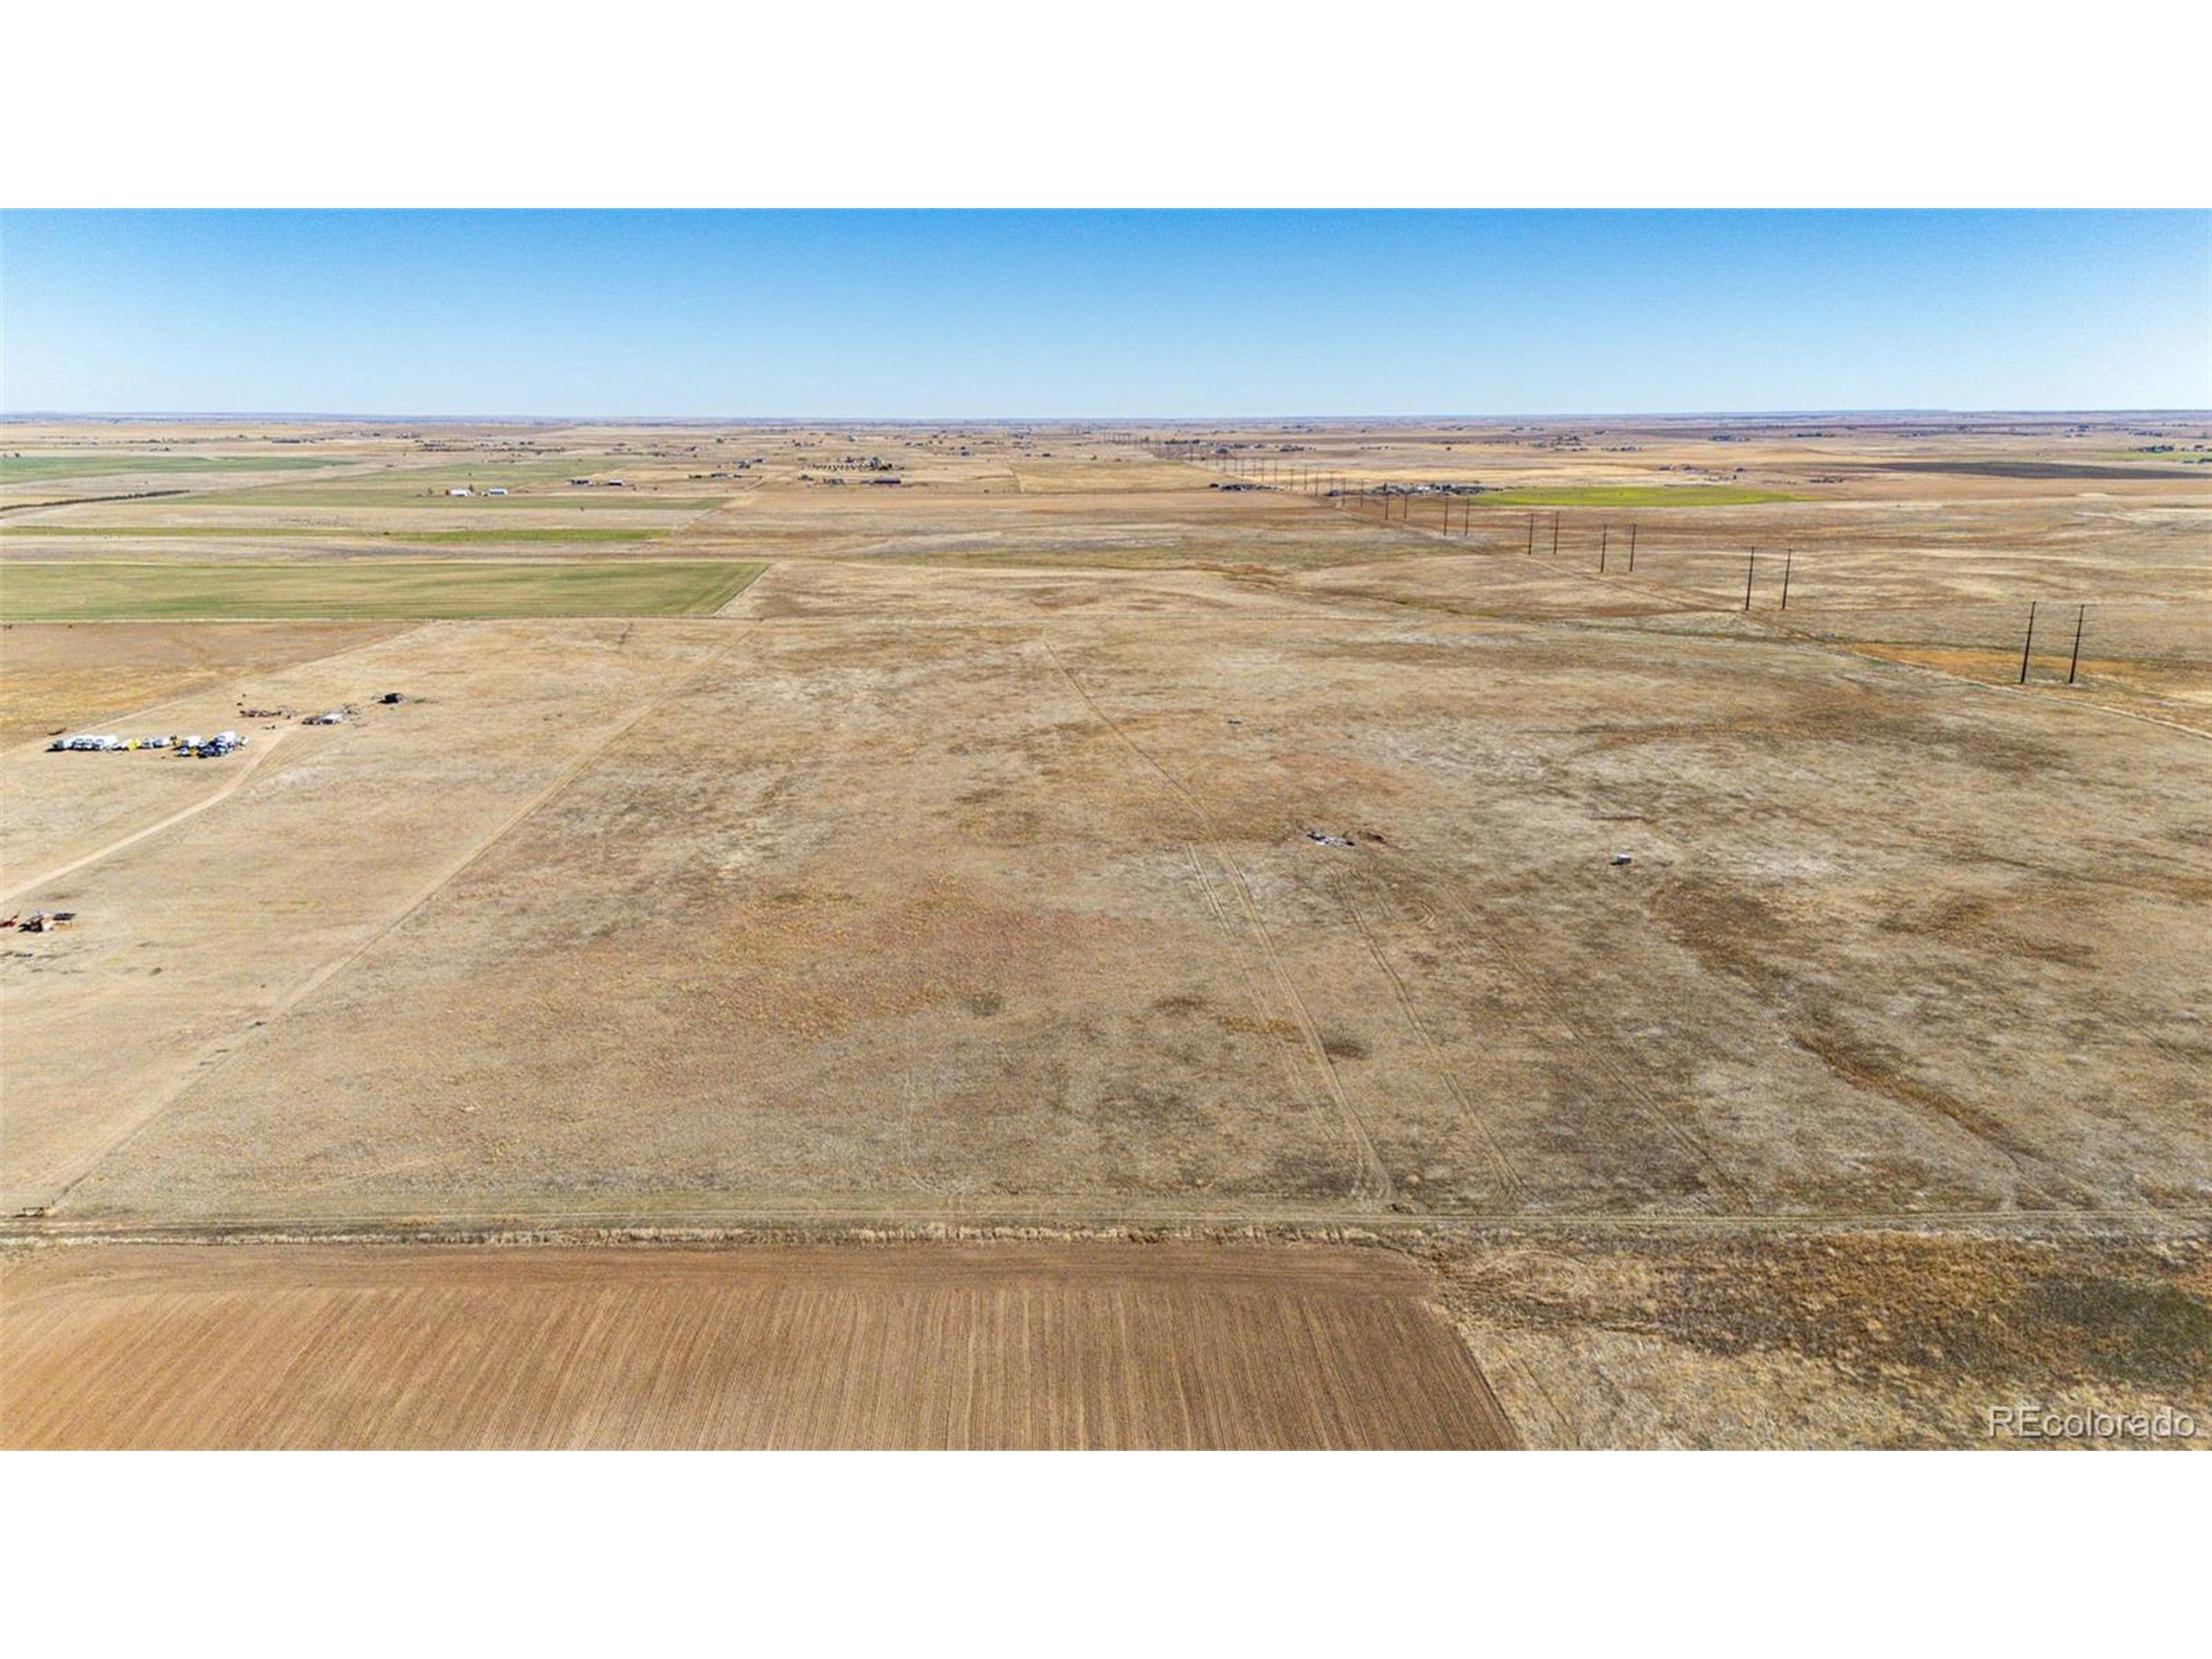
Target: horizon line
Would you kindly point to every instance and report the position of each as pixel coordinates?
(848, 418)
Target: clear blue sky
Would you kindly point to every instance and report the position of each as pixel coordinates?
(915, 315)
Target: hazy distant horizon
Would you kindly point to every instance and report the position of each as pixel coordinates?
(325, 416)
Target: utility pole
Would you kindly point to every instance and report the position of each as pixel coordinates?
(1748, 569)
(2028, 644)
(1605, 534)
(1631, 549)
(2079, 616)
(1788, 553)
(1554, 535)
(1532, 535)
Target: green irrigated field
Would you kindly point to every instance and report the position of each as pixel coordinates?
(108, 463)
(43, 532)
(401, 490)
(1636, 495)
(424, 590)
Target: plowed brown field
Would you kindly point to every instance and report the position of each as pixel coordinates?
(1062, 1345)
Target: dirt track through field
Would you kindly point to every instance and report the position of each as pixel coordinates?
(1375, 1179)
(239, 775)
(443, 878)
(1062, 1345)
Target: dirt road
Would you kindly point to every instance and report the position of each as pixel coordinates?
(255, 756)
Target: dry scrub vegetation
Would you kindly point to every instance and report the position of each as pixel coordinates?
(963, 870)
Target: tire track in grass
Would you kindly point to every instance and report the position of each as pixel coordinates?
(237, 778)
(1628, 1088)
(1259, 997)
(1509, 1177)
(224, 1051)
(1376, 1184)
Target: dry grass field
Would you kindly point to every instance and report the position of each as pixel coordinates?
(1060, 839)
(1788, 1336)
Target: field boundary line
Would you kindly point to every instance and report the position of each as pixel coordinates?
(209, 1069)
(725, 609)
(814, 1221)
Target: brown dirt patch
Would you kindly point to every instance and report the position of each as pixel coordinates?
(1097, 1345)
